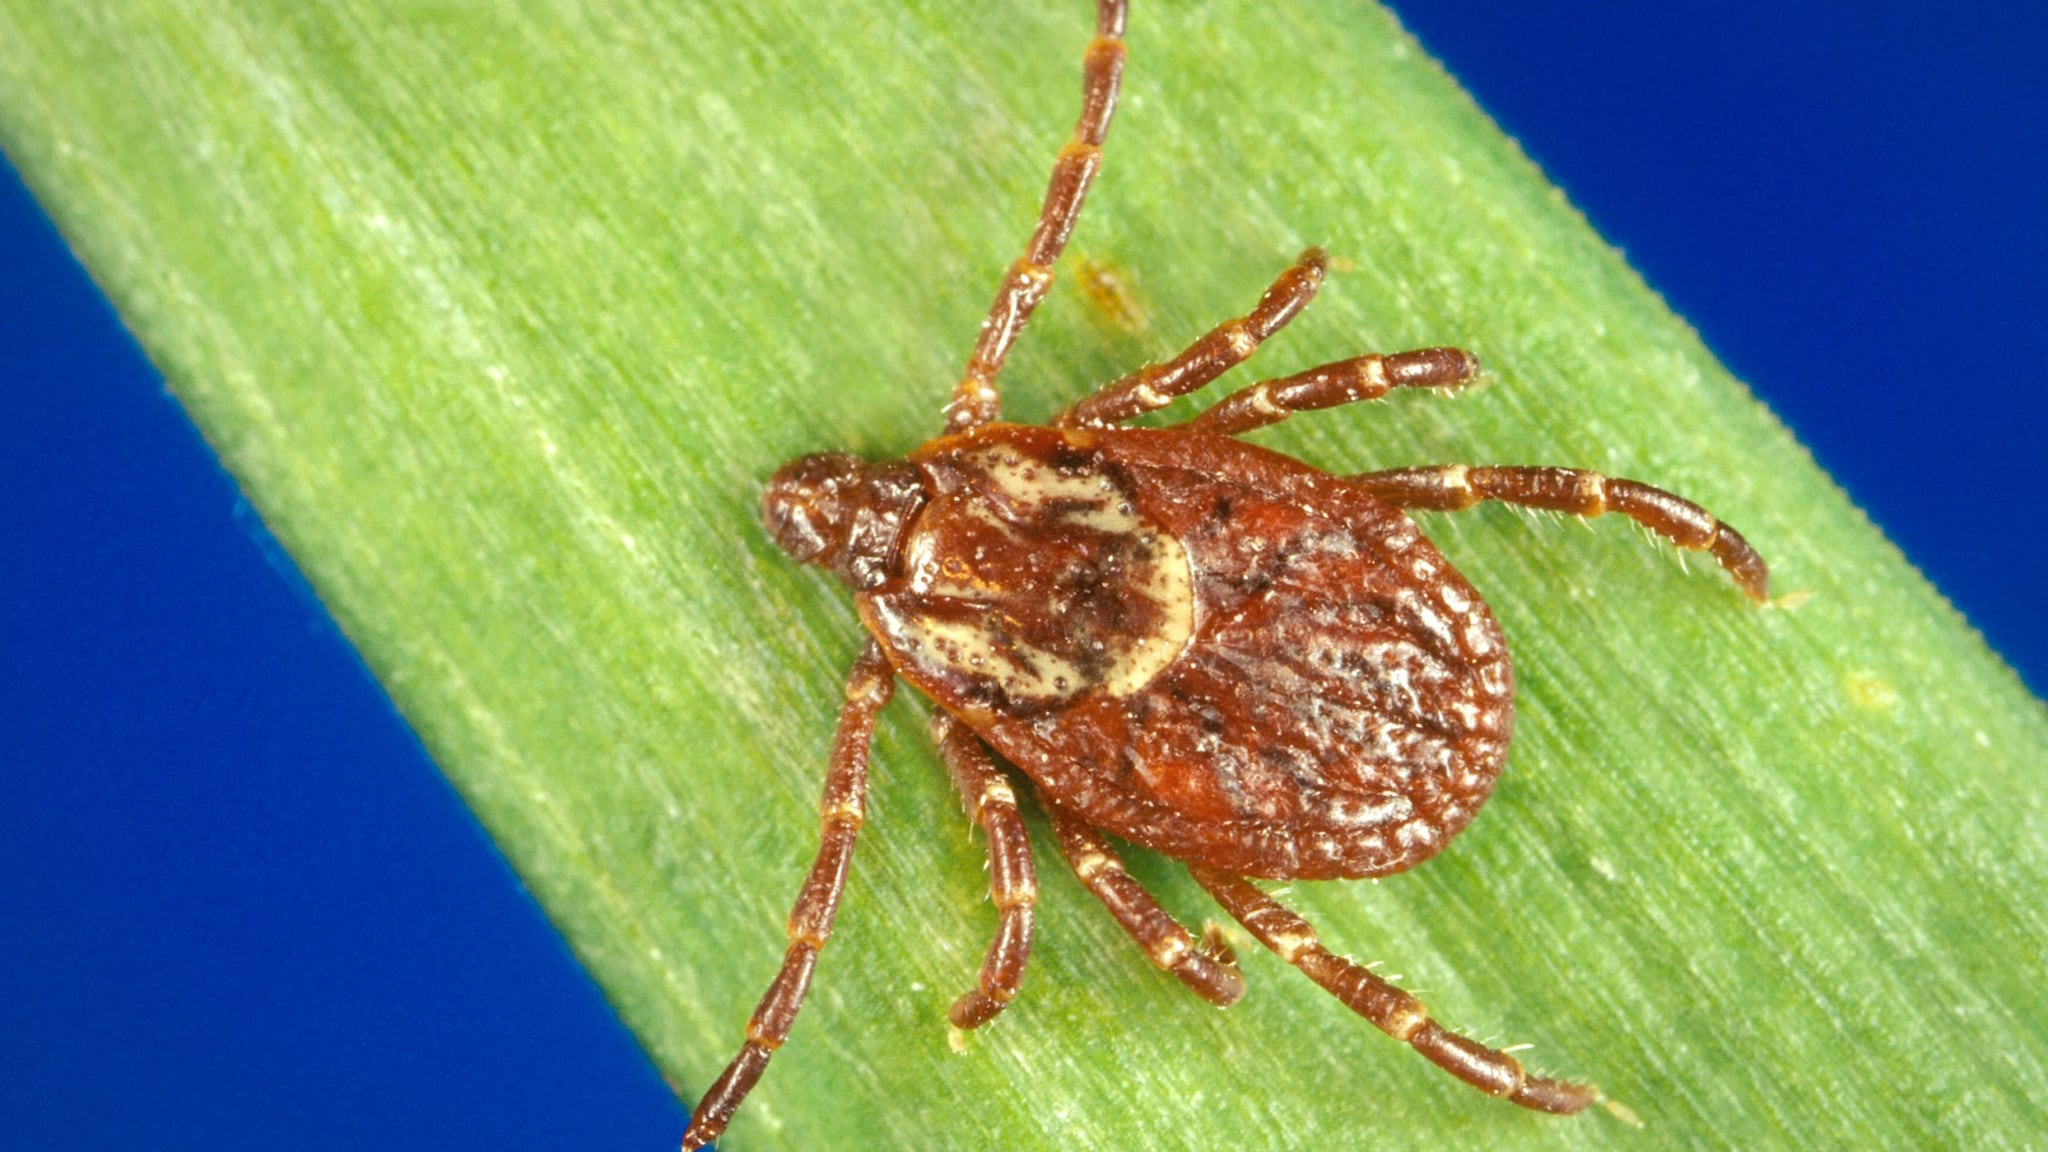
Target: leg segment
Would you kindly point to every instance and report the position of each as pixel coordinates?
(1391, 1010)
(1209, 968)
(1012, 886)
(1218, 351)
(975, 399)
(1454, 487)
(1345, 382)
(868, 687)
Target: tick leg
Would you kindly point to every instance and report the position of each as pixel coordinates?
(868, 687)
(1012, 885)
(975, 399)
(1209, 968)
(1391, 1010)
(1454, 487)
(1218, 351)
(1344, 382)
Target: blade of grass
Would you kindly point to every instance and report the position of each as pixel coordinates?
(501, 315)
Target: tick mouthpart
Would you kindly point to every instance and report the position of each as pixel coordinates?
(842, 513)
(808, 505)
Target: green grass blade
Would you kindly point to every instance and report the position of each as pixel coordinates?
(500, 314)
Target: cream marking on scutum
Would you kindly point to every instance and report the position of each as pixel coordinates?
(1028, 488)
(1023, 671)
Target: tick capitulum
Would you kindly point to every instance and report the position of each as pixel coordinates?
(1180, 640)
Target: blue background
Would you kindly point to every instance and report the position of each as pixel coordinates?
(239, 908)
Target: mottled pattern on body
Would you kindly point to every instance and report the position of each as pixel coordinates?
(1238, 661)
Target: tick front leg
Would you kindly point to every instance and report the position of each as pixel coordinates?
(975, 399)
(1391, 1010)
(1222, 348)
(1012, 885)
(1344, 382)
(842, 809)
(1455, 487)
(1209, 968)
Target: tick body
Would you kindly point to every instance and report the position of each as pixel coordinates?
(1200, 646)
(1179, 640)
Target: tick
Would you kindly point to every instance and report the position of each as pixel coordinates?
(1180, 640)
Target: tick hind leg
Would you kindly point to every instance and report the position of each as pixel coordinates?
(1012, 884)
(1218, 351)
(1209, 968)
(975, 399)
(1455, 487)
(868, 687)
(1391, 1010)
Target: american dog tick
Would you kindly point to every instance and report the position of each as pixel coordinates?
(1181, 640)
